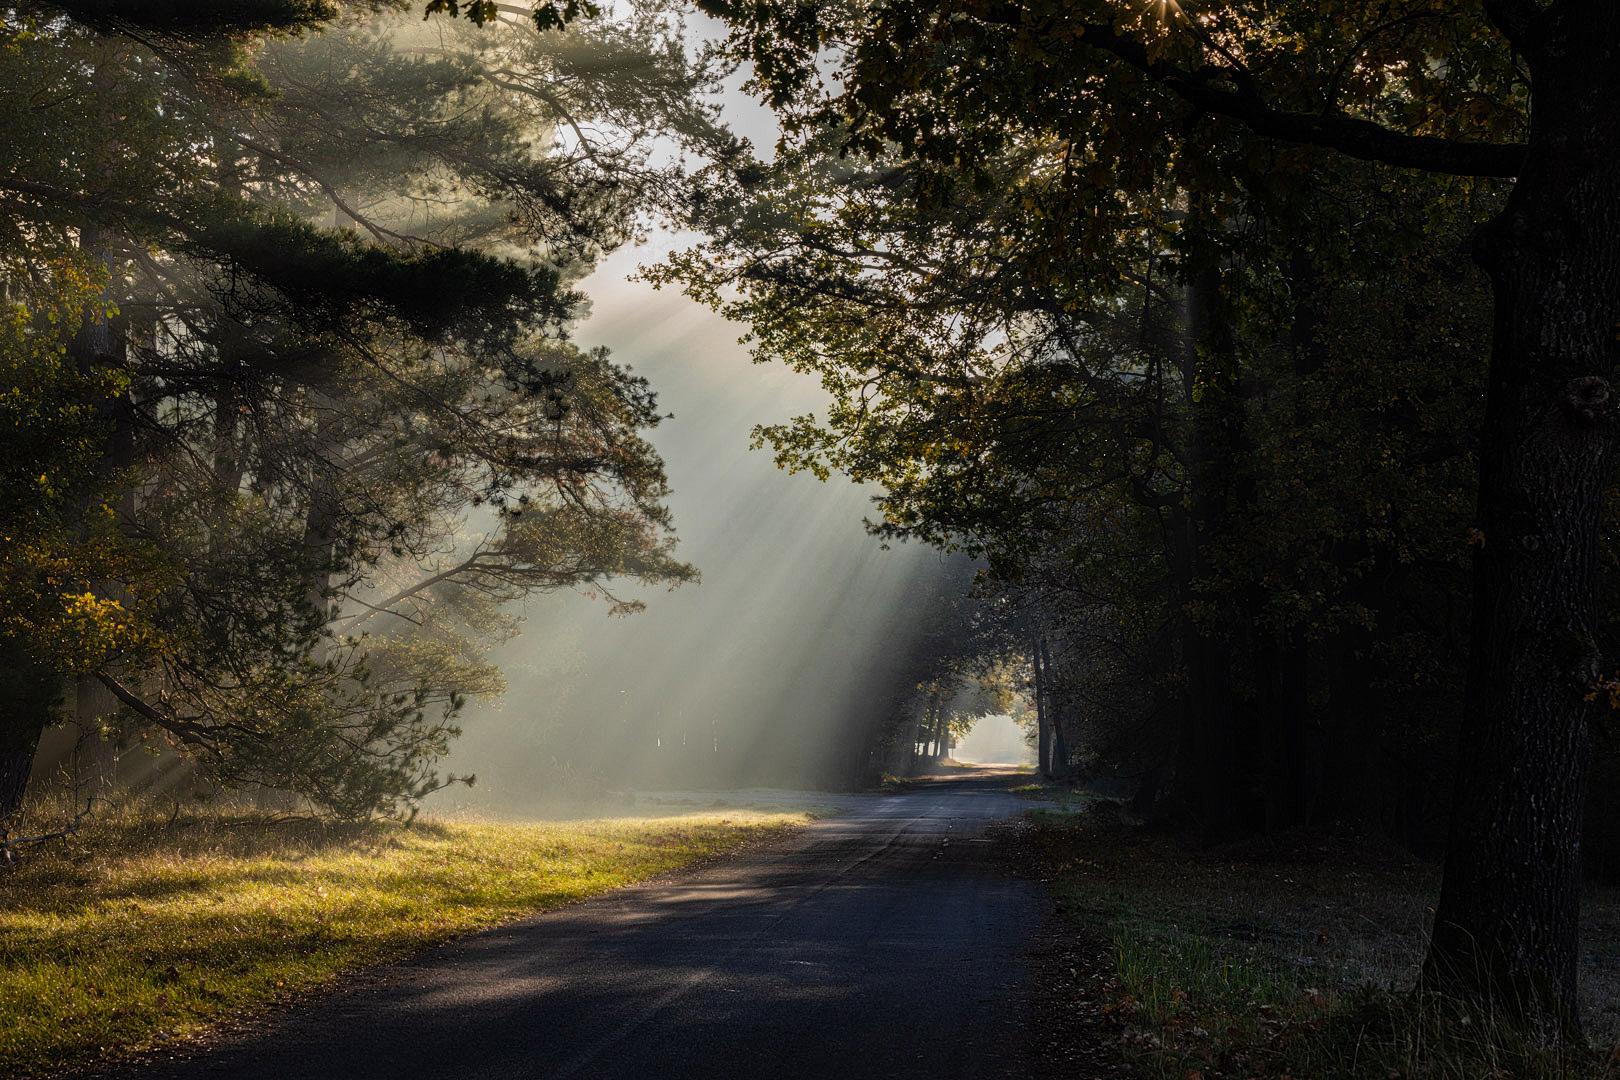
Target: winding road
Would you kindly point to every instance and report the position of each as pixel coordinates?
(884, 942)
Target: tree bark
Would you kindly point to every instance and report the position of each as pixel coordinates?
(1208, 764)
(1043, 718)
(29, 692)
(1505, 931)
(1291, 776)
(319, 544)
(1057, 754)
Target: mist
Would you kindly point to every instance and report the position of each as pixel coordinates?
(767, 672)
(995, 740)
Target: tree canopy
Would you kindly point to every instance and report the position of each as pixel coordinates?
(992, 185)
(303, 276)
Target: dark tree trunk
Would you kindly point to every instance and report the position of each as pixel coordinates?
(1283, 706)
(1352, 787)
(1058, 765)
(1043, 719)
(914, 728)
(1505, 932)
(320, 521)
(1207, 760)
(1208, 766)
(29, 693)
(1062, 766)
(16, 765)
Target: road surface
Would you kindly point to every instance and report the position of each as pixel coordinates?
(882, 943)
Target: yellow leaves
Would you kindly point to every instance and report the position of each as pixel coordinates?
(1607, 687)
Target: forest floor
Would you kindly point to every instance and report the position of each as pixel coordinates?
(142, 931)
(1281, 956)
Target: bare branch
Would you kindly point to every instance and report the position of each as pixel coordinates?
(381, 234)
(8, 845)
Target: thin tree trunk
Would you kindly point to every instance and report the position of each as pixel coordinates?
(320, 520)
(936, 735)
(1058, 764)
(1043, 719)
(1283, 706)
(1506, 926)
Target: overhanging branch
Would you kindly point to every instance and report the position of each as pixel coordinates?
(1350, 135)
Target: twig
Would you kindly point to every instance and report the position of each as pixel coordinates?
(8, 846)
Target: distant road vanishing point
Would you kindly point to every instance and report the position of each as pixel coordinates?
(883, 943)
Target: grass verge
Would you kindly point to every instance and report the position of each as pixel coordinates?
(137, 931)
(1289, 956)
(1060, 796)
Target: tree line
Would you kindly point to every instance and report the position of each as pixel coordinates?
(1188, 319)
(291, 410)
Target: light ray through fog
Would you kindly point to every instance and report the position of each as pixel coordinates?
(765, 672)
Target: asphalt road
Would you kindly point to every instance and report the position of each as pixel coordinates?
(885, 942)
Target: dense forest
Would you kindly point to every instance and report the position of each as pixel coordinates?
(1249, 362)
(1186, 318)
(289, 314)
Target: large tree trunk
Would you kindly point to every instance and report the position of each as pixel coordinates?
(1505, 932)
(1208, 768)
(1208, 764)
(29, 692)
(1283, 707)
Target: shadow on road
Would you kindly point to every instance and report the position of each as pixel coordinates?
(883, 942)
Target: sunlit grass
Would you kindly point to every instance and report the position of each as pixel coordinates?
(139, 931)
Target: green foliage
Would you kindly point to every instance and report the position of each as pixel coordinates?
(335, 389)
(547, 16)
(1175, 381)
(334, 279)
(176, 17)
(60, 546)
